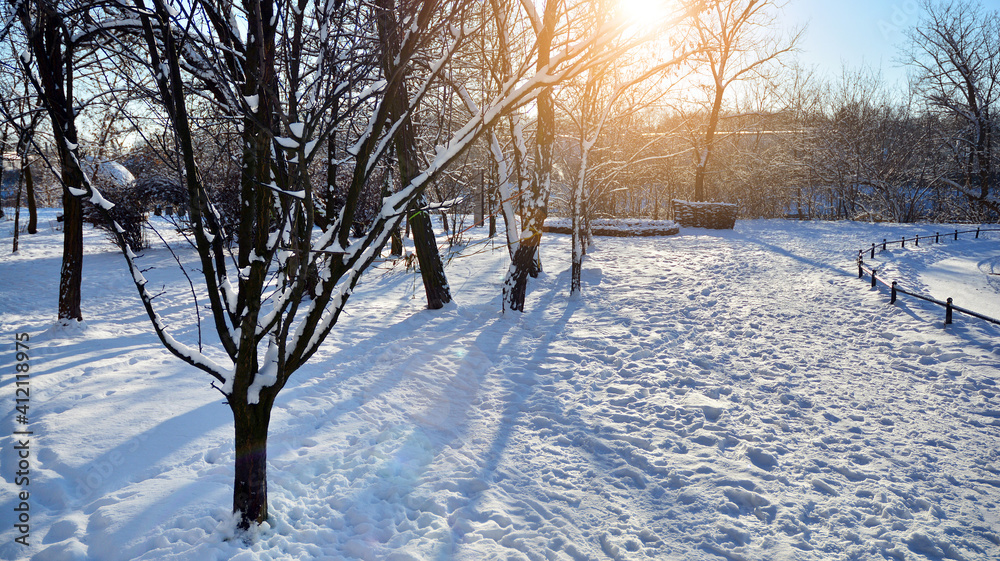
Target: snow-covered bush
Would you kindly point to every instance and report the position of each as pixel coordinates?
(117, 184)
(129, 212)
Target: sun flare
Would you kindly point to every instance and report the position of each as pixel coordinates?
(646, 12)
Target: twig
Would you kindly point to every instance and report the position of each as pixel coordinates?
(188, 277)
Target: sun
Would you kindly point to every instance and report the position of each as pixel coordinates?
(646, 12)
(641, 10)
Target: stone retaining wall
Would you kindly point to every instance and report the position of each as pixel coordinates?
(717, 216)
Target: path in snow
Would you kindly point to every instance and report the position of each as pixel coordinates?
(734, 395)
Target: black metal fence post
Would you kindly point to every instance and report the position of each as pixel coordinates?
(873, 251)
(956, 235)
(892, 299)
(937, 237)
(861, 268)
(873, 277)
(977, 233)
(918, 240)
(902, 242)
(883, 244)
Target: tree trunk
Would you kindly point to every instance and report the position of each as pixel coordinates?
(29, 189)
(576, 204)
(701, 169)
(575, 283)
(431, 267)
(425, 246)
(516, 283)
(250, 482)
(17, 215)
(71, 275)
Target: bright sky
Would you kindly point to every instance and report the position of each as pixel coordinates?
(852, 33)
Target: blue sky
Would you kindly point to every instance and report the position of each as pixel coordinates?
(854, 32)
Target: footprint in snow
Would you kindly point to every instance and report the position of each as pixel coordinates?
(761, 458)
(712, 408)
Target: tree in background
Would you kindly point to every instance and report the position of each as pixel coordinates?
(873, 152)
(956, 52)
(56, 40)
(738, 43)
(21, 119)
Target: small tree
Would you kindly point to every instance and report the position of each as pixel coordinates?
(611, 96)
(21, 119)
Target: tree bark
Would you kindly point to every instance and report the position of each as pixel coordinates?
(250, 481)
(71, 275)
(29, 190)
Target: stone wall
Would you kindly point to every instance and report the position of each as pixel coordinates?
(717, 216)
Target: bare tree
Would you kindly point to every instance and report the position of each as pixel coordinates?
(876, 154)
(739, 43)
(498, 45)
(526, 261)
(57, 44)
(611, 97)
(956, 52)
(431, 268)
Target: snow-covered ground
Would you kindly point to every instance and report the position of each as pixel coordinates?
(713, 395)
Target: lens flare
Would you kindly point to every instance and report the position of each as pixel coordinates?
(646, 12)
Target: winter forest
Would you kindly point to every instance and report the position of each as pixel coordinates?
(367, 279)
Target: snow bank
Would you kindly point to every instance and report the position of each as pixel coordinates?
(622, 227)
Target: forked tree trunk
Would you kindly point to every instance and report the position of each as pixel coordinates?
(53, 53)
(250, 481)
(526, 261)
